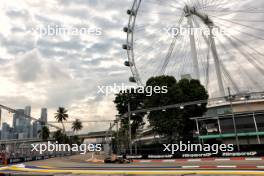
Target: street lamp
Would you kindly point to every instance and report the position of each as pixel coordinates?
(129, 127)
(233, 117)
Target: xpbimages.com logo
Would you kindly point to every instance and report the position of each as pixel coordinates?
(148, 90)
(188, 147)
(56, 147)
(194, 31)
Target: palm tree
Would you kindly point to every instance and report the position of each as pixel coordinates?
(44, 133)
(61, 115)
(77, 125)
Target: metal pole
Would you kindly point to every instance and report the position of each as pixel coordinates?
(109, 139)
(256, 127)
(233, 118)
(198, 131)
(219, 126)
(136, 147)
(117, 137)
(129, 128)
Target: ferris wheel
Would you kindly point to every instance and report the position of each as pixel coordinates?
(219, 42)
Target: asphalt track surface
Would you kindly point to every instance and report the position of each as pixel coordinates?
(73, 166)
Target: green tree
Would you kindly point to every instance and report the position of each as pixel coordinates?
(175, 124)
(60, 137)
(136, 101)
(75, 140)
(77, 125)
(61, 116)
(44, 133)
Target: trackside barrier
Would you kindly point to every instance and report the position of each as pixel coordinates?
(30, 158)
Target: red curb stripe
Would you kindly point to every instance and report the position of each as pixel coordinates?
(208, 159)
(247, 167)
(238, 158)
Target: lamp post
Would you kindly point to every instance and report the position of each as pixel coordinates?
(129, 127)
(233, 118)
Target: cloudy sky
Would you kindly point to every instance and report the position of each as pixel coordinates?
(65, 69)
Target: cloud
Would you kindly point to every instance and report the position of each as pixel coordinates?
(29, 67)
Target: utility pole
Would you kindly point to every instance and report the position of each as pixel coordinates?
(233, 118)
(129, 127)
(117, 135)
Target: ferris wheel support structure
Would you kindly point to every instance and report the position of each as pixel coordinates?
(193, 44)
(209, 23)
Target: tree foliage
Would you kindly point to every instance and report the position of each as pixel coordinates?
(44, 133)
(77, 125)
(135, 100)
(175, 123)
(61, 115)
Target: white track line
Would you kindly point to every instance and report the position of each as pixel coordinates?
(253, 159)
(222, 159)
(194, 160)
(145, 161)
(190, 166)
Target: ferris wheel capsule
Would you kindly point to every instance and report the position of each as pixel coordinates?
(131, 12)
(128, 63)
(132, 79)
(127, 29)
(126, 47)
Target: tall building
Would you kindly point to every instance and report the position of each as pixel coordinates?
(28, 110)
(36, 127)
(7, 132)
(18, 119)
(28, 122)
(44, 115)
(21, 124)
(0, 117)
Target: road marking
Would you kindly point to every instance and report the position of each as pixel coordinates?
(190, 167)
(222, 159)
(194, 160)
(253, 159)
(145, 161)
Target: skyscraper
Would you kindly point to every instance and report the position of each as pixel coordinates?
(36, 128)
(28, 110)
(7, 132)
(0, 117)
(44, 116)
(21, 124)
(28, 122)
